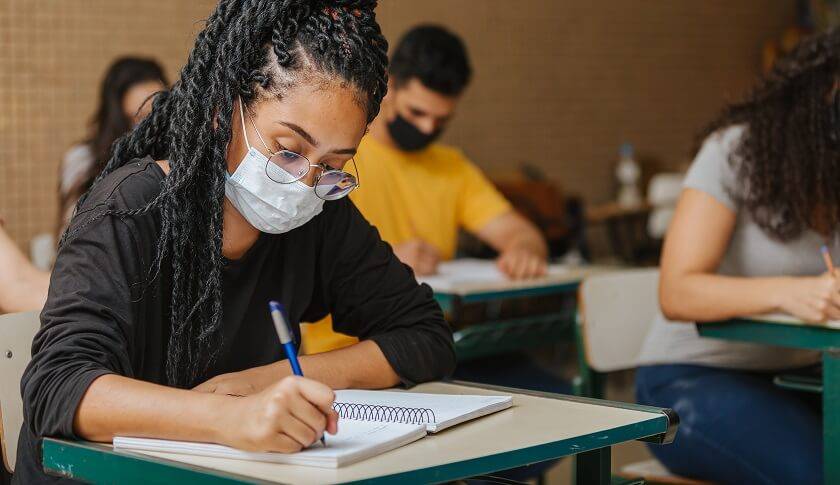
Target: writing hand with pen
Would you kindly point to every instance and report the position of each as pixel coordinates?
(814, 299)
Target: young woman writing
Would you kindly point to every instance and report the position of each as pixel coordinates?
(761, 197)
(229, 194)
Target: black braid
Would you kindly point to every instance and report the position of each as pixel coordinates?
(247, 47)
(789, 157)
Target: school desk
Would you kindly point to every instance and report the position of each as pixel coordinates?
(786, 331)
(499, 336)
(539, 427)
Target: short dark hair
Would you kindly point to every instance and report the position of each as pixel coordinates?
(433, 55)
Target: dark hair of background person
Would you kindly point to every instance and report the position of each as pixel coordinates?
(249, 49)
(110, 121)
(434, 56)
(789, 157)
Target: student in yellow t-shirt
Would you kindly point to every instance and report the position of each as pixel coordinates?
(419, 193)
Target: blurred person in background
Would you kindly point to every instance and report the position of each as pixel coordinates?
(124, 100)
(761, 197)
(419, 193)
(23, 287)
(425, 191)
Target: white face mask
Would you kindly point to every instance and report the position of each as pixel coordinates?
(269, 206)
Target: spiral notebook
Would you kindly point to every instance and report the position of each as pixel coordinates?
(372, 422)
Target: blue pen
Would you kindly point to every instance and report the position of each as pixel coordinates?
(285, 334)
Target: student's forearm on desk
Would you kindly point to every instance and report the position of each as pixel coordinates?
(690, 289)
(512, 231)
(709, 297)
(359, 366)
(115, 405)
(288, 416)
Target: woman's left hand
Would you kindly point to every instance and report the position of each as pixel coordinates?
(242, 383)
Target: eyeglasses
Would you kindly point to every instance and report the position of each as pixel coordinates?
(286, 167)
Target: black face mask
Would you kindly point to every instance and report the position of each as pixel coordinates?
(408, 137)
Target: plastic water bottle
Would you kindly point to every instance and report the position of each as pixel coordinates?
(628, 172)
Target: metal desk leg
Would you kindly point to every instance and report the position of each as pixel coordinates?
(831, 416)
(593, 467)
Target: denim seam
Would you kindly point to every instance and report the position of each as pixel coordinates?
(713, 444)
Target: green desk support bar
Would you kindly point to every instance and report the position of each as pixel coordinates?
(796, 382)
(831, 415)
(511, 293)
(813, 337)
(797, 336)
(97, 463)
(588, 382)
(494, 338)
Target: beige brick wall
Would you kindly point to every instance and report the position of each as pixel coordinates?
(53, 54)
(559, 83)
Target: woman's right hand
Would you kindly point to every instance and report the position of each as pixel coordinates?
(814, 299)
(285, 417)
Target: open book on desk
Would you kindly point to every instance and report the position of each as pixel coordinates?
(372, 422)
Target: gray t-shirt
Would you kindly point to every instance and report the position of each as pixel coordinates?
(751, 253)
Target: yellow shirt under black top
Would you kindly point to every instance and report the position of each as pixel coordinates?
(429, 194)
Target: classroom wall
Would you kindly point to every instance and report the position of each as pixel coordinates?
(53, 55)
(558, 83)
(562, 83)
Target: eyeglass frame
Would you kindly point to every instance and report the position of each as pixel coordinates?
(325, 169)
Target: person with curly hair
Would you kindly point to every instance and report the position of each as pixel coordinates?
(760, 199)
(231, 193)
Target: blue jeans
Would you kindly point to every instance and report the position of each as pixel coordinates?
(735, 426)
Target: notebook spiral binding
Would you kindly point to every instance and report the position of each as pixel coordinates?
(386, 414)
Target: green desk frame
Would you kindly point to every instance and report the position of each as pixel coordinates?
(98, 463)
(812, 337)
(500, 336)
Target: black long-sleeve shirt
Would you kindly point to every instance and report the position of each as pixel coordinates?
(102, 316)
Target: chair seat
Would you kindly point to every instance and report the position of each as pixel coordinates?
(654, 472)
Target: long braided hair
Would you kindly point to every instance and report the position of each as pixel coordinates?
(788, 160)
(247, 49)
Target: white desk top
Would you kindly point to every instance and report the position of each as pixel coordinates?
(785, 319)
(530, 422)
(471, 276)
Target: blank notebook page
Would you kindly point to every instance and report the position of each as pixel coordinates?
(355, 441)
(473, 271)
(448, 409)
